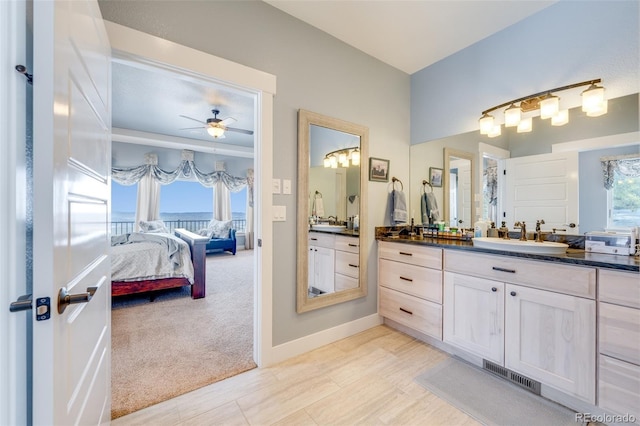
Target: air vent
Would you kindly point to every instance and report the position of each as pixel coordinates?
(520, 380)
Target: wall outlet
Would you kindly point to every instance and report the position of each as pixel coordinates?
(276, 186)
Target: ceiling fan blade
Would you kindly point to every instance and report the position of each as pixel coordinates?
(191, 128)
(194, 119)
(227, 120)
(246, 132)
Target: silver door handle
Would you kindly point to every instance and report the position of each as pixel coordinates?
(65, 299)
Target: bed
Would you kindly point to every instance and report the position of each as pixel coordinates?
(144, 262)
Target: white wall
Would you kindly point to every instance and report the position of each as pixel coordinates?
(315, 72)
(566, 43)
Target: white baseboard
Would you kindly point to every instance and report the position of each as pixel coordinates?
(308, 343)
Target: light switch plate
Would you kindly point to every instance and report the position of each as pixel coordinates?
(286, 186)
(276, 186)
(279, 213)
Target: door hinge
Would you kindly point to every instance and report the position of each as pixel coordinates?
(23, 70)
(259, 242)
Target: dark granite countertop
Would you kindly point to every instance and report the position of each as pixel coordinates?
(572, 256)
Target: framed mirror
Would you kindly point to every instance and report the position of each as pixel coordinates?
(459, 188)
(331, 225)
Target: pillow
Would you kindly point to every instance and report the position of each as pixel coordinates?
(153, 226)
(220, 228)
(205, 232)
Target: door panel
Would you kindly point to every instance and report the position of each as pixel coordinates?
(542, 187)
(72, 158)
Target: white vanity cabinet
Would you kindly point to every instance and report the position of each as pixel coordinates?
(321, 262)
(410, 286)
(347, 267)
(549, 328)
(619, 342)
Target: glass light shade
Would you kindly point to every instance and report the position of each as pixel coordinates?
(593, 99)
(216, 132)
(496, 131)
(486, 124)
(549, 106)
(355, 158)
(327, 162)
(342, 159)
(512, 116)
(600, 111)
(561, 118)
(333, 161)
(525, 125)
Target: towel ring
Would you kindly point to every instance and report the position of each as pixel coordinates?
(318, 193)
(393, 183)
(424, 186)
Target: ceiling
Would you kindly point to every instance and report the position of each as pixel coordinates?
(408, 35)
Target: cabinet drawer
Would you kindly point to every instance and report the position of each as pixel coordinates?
(344, 282)
(421, 315)
(620, 332)
(574, 280)
(410, 253)
(621, 288)
(619, 386)
(415, 280)
(348, 264)
(320, 239)
(350, 244)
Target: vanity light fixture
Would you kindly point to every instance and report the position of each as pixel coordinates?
(546, 105)
(342, 157)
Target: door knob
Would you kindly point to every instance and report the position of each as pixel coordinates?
(65, 299)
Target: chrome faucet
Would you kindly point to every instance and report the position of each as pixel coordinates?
(523, 230)
(538, 231)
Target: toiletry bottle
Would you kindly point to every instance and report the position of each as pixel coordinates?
(493, 231)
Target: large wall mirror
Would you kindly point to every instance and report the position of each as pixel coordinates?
(331, 223)
(458, 186)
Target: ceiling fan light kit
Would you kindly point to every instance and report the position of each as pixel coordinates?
(546, 105)
(216, 126)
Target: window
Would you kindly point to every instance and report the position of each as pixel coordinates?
(624, 202)
(123, 202)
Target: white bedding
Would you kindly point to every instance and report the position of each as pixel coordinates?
(139, 256)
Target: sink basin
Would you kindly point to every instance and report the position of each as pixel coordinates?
(547, 247)
(328, 228)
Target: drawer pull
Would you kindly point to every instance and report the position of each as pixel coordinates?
(513, 293)
(353, 245)
(511, 271)
(406, 311)
(494, 289)
(406, 279)
(313, 239)
(353, 266)
(405, 253)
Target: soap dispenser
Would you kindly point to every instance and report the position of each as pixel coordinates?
(493, 231)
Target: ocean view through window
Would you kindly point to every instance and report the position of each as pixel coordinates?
(183, 204)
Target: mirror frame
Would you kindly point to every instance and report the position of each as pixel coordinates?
(448, 153)
(306, 119)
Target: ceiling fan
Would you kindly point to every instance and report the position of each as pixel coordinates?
(216, 126)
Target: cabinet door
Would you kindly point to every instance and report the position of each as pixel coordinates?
(324, 269)
(550, 337)
(474, 315)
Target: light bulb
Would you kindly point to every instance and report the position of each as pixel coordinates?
(216, 132)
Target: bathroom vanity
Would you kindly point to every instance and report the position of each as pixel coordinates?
(334, 262)
(569, 322)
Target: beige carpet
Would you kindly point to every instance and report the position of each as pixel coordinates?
(175, 344)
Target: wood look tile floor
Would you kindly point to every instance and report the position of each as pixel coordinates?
(364, 379)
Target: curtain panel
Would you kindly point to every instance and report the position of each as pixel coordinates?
(626, 165)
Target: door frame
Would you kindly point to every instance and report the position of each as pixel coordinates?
(14, 404)
(142, 47)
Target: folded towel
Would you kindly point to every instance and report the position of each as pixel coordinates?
(318, 206)
(399, 213)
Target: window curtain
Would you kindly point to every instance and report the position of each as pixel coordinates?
(248, 233)
(148, 200)
(221, 202)
(625, 165)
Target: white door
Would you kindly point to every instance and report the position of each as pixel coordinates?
(72, 160)
(543, 187)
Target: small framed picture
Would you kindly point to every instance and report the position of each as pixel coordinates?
(435, 176)
(378, 170)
